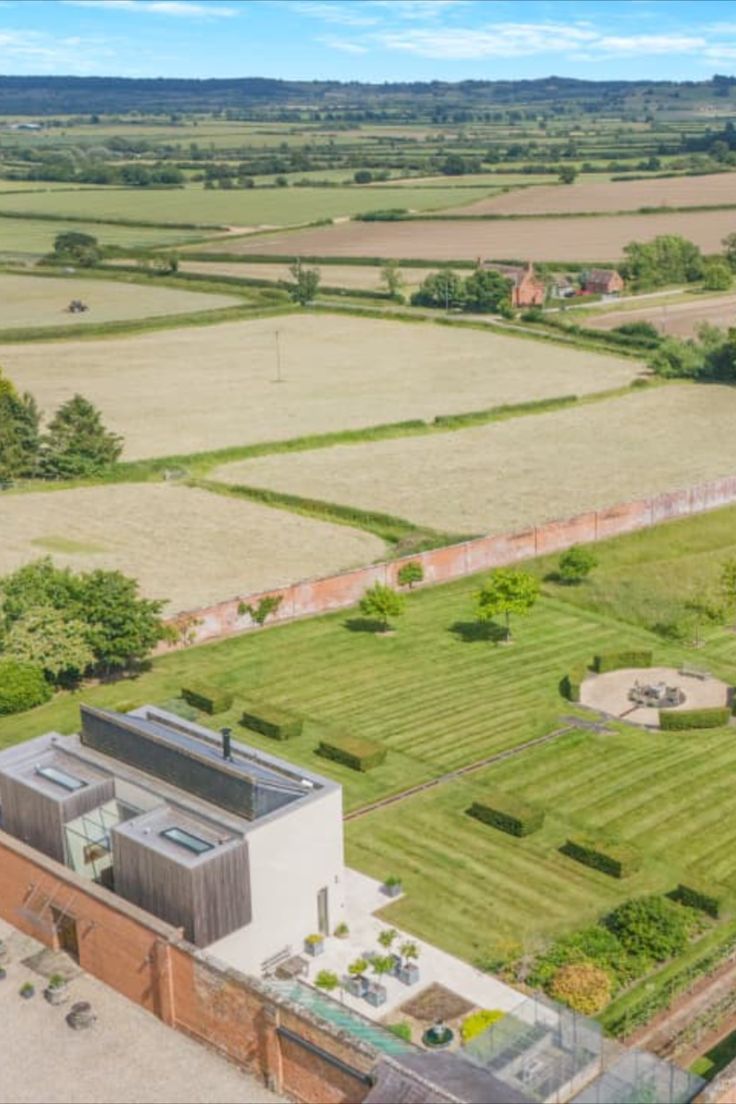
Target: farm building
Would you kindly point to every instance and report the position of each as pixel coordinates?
(527, 290)
(603, 281)
(236, 848)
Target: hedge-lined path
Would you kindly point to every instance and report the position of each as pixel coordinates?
(451, 776)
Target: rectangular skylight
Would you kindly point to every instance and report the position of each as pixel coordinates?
(188, 840)
(61, 778)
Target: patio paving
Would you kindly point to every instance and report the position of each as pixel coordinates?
(609, 693)
(364, 896)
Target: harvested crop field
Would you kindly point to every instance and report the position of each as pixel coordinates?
(42, 301)
(181, 391)
(676, 319)
(565, 239)
(355, 277)
(524, 471)
(185, 545)
(599, 195)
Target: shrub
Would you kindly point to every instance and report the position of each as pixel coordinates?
(582, 986)
(507, 813)
(677, 720)
(576, 564)
(613, 661)
(410, 573)
(594, 944)
(478, 1022)
(618, 860)
(353, 752)
(272, 721)
(22, 686)
(209, 699)
(403, 1030)
(651, 926)
(707, 897)
(639, 329)
(327, 980)
(573, 680)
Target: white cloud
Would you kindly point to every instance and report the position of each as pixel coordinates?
(343, 15)
(344, 44)
(46, 53)
(180, 9)
(418, 9)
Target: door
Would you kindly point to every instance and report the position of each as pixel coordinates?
(323, 915)
(66, 933)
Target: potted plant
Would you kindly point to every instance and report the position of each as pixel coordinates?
(357, 982)
(387, 938)
(26, 990)
(342, 931)
(408, 972)
(56, 990)
(327, 980)
(376, 993)
(314, 944)
(393, 886)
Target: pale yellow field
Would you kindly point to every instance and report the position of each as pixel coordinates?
(181, 391)
(360, 277)
(676, 319)
(523, 471)
(185, 545)
(42, 301)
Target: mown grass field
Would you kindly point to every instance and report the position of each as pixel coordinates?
(33, 238)
(253, 207)
(440, 696)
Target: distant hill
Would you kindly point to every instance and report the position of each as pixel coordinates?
(44, 96)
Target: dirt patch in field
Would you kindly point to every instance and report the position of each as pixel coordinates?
(181, 391)
(599, 195)
(568, 239)
(525, 471)
(675, 319)
(188, 546)
(359, 277)
(42, 301)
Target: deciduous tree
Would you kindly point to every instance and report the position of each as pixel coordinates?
(77, 443)
(383, 603)
(507, 591)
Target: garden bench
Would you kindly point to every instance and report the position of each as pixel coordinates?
(269, 964)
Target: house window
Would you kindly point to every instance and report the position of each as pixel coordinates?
(61, 778)
(187, 840)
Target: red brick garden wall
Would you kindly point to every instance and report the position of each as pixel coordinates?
(441, 565)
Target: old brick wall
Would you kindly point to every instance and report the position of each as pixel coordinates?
(441, 565)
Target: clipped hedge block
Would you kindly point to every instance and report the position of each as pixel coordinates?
(22, 686)
(678, 720)
(270, 720)
(507, 813)
(353, 752)
(209, 699)
(572, 682)
(614, 661)
(617, 860)
(707, 897)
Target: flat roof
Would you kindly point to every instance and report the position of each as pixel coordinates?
(54, 773)
(183, 836)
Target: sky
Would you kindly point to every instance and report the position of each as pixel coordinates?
(370, 40)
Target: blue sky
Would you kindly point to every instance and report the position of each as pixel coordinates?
(372, 40)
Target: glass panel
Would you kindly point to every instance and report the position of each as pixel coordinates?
(61, 778)
(186, 839)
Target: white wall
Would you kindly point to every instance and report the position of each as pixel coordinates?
(292, 857)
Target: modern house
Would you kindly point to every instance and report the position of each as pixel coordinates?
(527, 290)
(240, 850)
(603, 281)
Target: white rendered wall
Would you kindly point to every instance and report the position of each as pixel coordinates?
(292, 857)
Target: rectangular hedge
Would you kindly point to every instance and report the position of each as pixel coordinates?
(573, 680)
(677, 720)
(353, 752)
(210, 699)
(507, 813)
(617, 860)
(613, 661)
(707, 897)
(270, 720)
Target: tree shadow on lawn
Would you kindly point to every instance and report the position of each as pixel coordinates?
(472, 632)
(365, 625)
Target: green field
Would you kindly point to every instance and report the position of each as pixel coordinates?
(253, 207)
(440, 695)
(34, 237)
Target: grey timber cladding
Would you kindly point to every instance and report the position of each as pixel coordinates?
(208, 899)
(37, 817)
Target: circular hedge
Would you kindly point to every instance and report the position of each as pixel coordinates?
(22, 686)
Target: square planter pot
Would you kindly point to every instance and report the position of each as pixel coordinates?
(314, 949)
(393, 890)
(409, 974)
(376, 995)
(356, 986)
(394, 971)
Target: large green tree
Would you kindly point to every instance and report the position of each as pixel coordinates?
(74, 247)
(507, 591)
(667, 259)
(77, 443)
(49, 639)
(19, 433)
(486, 290)
(306, 283)
(440, 289)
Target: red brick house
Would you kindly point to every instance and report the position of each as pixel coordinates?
(527, 290)
(603, 281)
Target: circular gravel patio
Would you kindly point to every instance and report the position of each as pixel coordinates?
(609, 693)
